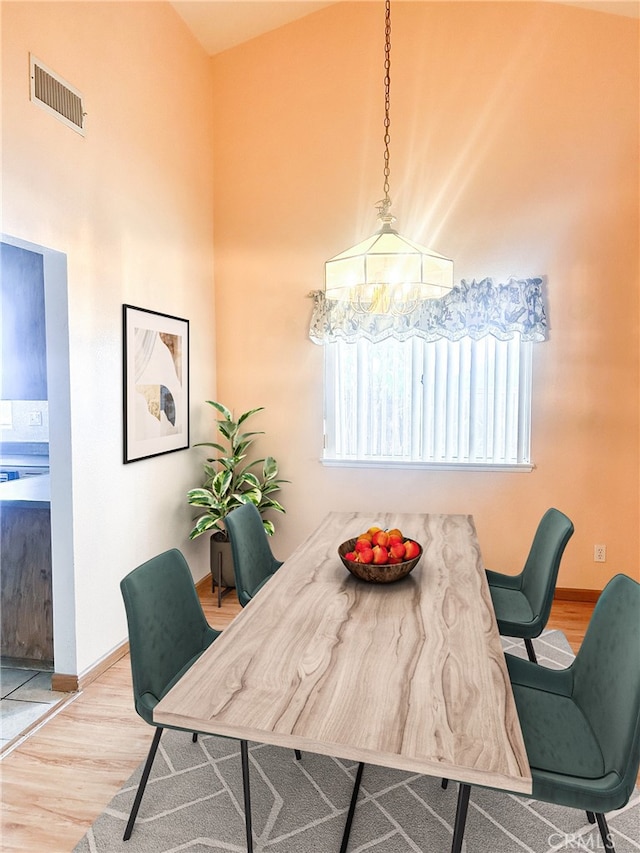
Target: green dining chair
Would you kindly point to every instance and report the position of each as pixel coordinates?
(522, 602)
(581, 725)
(168, 632)
(253, 562)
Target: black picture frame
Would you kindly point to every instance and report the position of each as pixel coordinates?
(155, 383)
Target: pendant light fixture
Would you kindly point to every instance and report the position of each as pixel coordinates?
(387, 273)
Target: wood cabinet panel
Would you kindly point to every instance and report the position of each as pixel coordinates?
(26, 630)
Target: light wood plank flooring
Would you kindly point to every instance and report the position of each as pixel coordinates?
(59, 780)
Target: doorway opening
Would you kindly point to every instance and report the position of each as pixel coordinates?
(54, 272)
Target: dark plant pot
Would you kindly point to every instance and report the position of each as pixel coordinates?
(221, 563)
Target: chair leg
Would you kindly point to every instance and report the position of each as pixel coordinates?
(194, 737)
(143, 784)
(604, 832)
(244, 755)
(352, 809)
(531, 651)
(298, 755)
(461, 818)
(591, 817)
(444, 784)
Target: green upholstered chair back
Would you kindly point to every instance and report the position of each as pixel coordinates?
(253, 561)
(606, 676)
(167, 627)
(540, 572)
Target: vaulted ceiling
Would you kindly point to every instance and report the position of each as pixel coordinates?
(221, 24)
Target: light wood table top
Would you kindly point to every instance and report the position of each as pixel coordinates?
(409, 675)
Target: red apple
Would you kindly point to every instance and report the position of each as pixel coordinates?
(398, 551)
(366, 556)
(351, 556)
(411, 549)
(381, 538)
(380, 554)
(363, 544)
(395, 539)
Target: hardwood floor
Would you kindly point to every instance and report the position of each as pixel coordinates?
(572, 618)
(62, 776)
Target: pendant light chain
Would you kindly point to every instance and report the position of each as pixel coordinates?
(386, 274)
(385, 204)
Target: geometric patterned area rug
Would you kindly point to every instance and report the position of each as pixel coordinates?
(193, 802)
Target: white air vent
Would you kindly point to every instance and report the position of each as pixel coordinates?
(56, 96)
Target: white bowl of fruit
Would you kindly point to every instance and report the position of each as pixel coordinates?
(380, 556)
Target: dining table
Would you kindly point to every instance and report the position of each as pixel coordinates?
(409, 675)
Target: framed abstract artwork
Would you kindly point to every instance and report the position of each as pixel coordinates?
(156, 383)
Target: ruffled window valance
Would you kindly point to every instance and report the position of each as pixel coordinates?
(472, 309)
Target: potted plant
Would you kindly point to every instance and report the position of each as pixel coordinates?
(230, 481)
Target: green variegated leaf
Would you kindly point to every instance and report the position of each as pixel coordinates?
(269, 503)
(210, 473)
(200, 497)
(222, 409)
(270, 468)
(220, 483)
(249, 436)
(203, 524)
(227, 430)
(248, 414)
(211, 444)
(272, 486)
(252, 496)
(251, 478)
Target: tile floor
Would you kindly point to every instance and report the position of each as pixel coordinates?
(26, 696)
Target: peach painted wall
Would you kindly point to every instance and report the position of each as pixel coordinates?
(514, 151)
(131, 207)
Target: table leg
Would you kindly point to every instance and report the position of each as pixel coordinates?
(461, 817)
(244, 754)
(352, 808)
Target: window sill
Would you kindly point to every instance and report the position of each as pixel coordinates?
(511, 467)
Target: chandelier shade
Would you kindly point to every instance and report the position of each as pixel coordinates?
(387, 272)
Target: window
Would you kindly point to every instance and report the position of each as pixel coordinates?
(439, 403)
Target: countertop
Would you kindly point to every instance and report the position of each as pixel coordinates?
(23, 460)
(28, 492)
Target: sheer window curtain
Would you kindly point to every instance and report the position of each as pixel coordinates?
(472, 309)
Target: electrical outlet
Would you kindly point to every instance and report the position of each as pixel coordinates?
(35, 418)
(599, 553)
